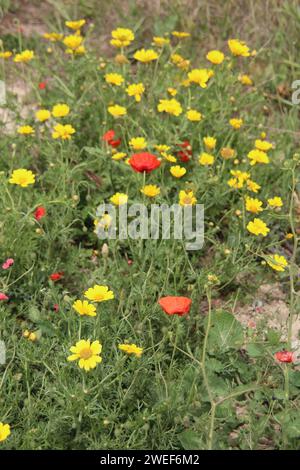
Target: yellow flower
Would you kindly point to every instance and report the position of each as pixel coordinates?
(119, 156)
(258, 156)
(206, 159)
(5, 54)
(42, 115)
(104, 222)
(227, 153)
(168, 157)
(277, 262)
(22, 177)
(150, 190)
(236, 123)
(193, 115)
(99, 293)
(162, 148)
(172, 91)
(88, 354)
(238, 48)
(73, 42)
(32, 336)
(170, 106)
(138, 143)
(245, 80)
(80, 50)
(63, 132)
(136, 90)
(215, 57)
(121, 59)
(84, 308)
(180, 61)
(200, 76)
(253, 205)
(177, 171)
(53, 37)
(114, 78)
(252, 186)
(75, 24)
(263, 145)
(25, 130)
(25, 56)
(180, 34)
(239, 179)
(160, 41)
(60, 110)
(145, 55)
(4, 431)
(131, 349)
(117, 110)
(258, 227)
(187, 198)
(121, 37)
(209, 142)
(275, 202)
(119, 198)
(289, 236)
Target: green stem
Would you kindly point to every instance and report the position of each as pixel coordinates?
(213, 404)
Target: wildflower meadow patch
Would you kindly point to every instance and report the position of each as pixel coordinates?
(147, 201)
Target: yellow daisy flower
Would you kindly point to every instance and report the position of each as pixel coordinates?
(22, 177)
(131, 349)
(4, 431)
(177, 171)
(116, 110)
(145, 55)
(43, 115)
(150, 190)
(277, 262)
(138, 143)
(25, 56)
(63, 132)
(99, 293)
(258, 227)
(84, 308)
(88, 354)
(60, 110)
(114, 79)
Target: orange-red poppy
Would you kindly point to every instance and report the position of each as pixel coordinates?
(173, 305)
(144, 161)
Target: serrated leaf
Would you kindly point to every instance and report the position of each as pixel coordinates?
(225, 333)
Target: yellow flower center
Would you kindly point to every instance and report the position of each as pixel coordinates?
(86, 353)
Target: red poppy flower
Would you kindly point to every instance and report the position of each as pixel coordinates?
(109, 138)
(42, 85)
(186, 151)
(144, 161)
(175, 305)
(284, 356)
(39, 213)
(56, 276)
(109, 135)
(3, 296)
(56, 307)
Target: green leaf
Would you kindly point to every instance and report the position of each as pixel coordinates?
(225, 333)
(190, 440)
(255, 350)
